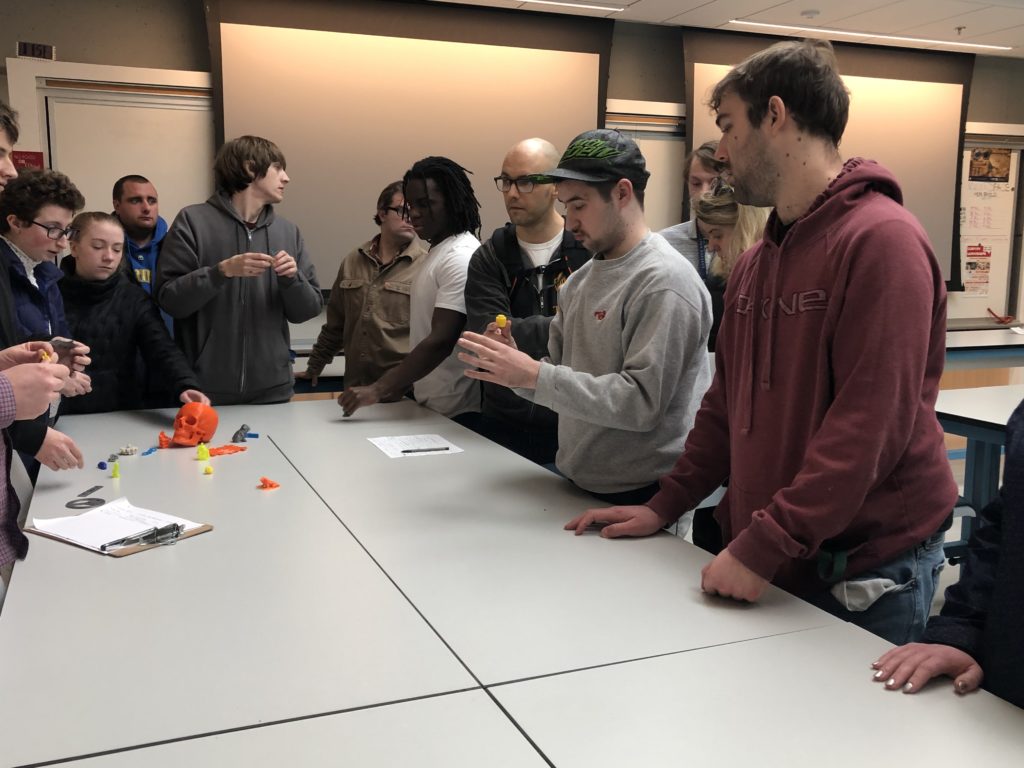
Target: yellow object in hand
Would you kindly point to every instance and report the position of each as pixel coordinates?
(501, 321)
(44, 356)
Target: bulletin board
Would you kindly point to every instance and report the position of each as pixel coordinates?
(988, 198)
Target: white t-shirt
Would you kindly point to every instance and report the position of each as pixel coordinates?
(540, 254)
(441, 283)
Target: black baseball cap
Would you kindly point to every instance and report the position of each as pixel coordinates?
(602, 155)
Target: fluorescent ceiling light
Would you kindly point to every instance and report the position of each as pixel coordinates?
(866, 35)
(566, 4)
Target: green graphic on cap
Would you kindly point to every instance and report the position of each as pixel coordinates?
(595, 149)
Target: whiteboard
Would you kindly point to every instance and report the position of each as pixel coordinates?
(352, 113)
(987, 203)
(910, 127)
(96, 138)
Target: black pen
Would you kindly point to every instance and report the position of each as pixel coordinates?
(150, 536)
(426, 450)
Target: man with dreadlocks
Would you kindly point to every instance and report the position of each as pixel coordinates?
(444, 211)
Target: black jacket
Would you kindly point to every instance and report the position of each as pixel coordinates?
(984, 612)
(500, 281)
(120, 321)
(26, 436)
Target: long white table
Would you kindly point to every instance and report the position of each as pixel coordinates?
(368, 606)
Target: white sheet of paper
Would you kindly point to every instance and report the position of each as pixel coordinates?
(114, 520)
(413, 446)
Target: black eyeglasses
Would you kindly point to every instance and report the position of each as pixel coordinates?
(400, 210)
(56, 233)
(719, 186)
(524, 184)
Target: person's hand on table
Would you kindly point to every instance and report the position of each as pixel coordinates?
(59, 451)
(726, 576)
(497, 362)
(618, 521)
(312, 376)
(354, 398)
(245, 265)
(910, 666)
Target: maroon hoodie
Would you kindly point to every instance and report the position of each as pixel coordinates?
(822, 411)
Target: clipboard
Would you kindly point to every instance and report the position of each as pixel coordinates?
(110, 524)
(120, 551)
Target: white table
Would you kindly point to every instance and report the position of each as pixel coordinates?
(277, 613)
(460, 730)
(370, 609)
(792, 701)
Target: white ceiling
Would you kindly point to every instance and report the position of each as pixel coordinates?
(972, 21)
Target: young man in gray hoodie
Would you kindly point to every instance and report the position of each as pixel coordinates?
(628, 362)
(233, 274)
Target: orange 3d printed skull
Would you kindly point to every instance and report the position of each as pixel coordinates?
(194, 424)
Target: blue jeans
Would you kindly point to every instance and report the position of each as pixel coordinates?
(892, 600)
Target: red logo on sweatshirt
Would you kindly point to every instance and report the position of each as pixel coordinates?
(600, 314)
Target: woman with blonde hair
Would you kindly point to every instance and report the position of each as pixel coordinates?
(731, 228)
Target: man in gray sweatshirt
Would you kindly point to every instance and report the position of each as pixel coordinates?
(627, 364)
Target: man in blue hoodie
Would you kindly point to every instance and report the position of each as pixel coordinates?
(137, 207)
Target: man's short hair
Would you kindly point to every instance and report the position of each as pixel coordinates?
(802, 73)
(134, 178)
(705, 153)
(25, 195)
(384, 199)
(243, 160)
(9, 122)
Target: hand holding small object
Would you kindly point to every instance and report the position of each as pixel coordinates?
(245, 265)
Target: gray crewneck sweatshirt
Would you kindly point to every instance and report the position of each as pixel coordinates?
(628, 366)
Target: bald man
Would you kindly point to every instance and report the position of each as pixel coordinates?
(517, 273)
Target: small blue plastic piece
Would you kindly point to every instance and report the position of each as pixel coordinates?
(101, 465)
(252, 434)
(149, 451)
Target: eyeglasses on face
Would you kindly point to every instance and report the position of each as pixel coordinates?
(56, 233)
(524, 184)
(401, 211)
(719, 186)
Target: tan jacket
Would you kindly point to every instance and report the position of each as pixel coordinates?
(368, 314)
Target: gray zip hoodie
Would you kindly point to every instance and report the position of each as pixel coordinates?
(234, 331)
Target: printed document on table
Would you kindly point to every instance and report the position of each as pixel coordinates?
(413, 446)
(114, 520)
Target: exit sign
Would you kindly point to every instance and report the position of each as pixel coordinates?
(37, 51)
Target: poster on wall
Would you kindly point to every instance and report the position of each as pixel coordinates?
(987, 200)
(990, 164)
(977, 268)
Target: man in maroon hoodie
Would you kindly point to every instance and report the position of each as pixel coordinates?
(821, 414)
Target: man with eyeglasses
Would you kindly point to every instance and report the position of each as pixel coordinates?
(517, 273)
(368, 310)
